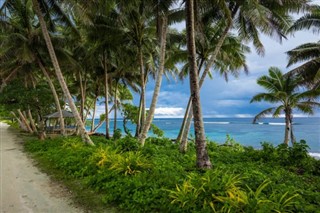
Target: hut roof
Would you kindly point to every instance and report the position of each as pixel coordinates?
(65, 113)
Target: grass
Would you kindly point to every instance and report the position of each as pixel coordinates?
(119, 175)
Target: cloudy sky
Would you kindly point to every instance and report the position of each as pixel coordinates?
(232, 98)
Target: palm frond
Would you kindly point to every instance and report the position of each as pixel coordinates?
(263, 114)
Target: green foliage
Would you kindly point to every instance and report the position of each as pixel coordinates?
(38, 99)
(232, 143)
(157, 131)
(117, 134)
(158, 178)
(127, 143)
(129, 163)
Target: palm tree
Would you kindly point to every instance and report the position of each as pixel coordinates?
(309, 52)
(163, 11)
(283, 90)
(39, 13)
(23, 45)
(248, 18)
(230, 61)
(203, 160)
(137, 20)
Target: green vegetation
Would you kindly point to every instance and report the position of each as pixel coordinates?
(158, 178)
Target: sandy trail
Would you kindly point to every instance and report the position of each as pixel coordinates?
(23, 188)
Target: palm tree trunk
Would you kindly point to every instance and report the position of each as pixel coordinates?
(106, 91)
(213, 57)
(141, 115)
(33, 126)
(203, 160)
(24, 121)
(21, 124)
(55, 95)
(82, 99)
(293, 139)
(8, 78)
(287, 127)
(115, 108)
(186, 123)
(64, 87)
(156, 92)
(93, 112)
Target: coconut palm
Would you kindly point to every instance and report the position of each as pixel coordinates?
(203, 160)
(23, 45)
(138, 22)
(40, 14)
(283, 90)
(309, 52)
(231, 60)
(163, 12)
(248, 18)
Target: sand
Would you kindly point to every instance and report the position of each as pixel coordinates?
(23, 188)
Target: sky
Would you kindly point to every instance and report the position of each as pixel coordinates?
(230, 99)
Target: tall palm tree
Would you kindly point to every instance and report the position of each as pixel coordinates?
(60, 77)
(248, 18)
(23, 44)
(137, 20)
(309, 52)
(231, 60)
(203, 160)
(283, 90)
(163, 11)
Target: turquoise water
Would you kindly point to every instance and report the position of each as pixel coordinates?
(242, 130)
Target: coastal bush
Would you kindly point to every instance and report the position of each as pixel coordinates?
(158, 178)
(126, 144)
(117, 134)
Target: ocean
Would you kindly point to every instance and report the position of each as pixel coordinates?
(242, 130)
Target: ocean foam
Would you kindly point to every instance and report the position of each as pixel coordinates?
(213, 122)
(281, 124)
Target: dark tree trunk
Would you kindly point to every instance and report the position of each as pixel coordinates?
(203, 160)
(185, 131)
(106, 85)
(287, 127)
(115, 108)
(142, 113)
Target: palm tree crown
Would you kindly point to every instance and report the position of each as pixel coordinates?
(283, 90)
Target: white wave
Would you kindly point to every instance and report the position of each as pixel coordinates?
(278, 124)
(315, 155)
(216, 122)
(261, 123)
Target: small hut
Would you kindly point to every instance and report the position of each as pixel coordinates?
(53, 124)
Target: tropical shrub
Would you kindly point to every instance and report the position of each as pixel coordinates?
(158, 178)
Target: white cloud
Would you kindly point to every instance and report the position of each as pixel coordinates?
(243, 115)
(169, 112)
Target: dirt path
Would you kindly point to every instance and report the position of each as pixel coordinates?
(23, 188)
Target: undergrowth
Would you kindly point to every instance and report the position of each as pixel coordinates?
(157, 178)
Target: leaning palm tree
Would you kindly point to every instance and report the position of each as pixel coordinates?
(309, 52)
(22, 44)
(249, 19)
(163, 12)
(283, 90)
(60, 77)
(203, 160)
